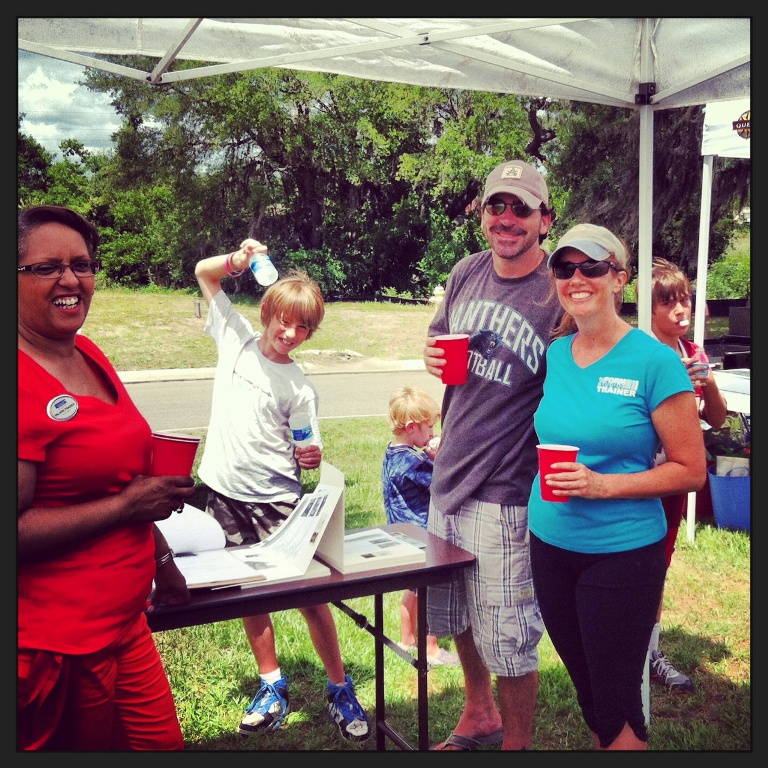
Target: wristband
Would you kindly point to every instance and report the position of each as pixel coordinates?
(228, 266)
(166, 558)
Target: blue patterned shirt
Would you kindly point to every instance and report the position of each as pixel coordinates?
(406, 477)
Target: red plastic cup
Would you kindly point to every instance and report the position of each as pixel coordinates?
(456, 346)
(173, 454)
(550, 454)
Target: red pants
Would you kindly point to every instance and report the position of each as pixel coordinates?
(674, 509)
(118, 698)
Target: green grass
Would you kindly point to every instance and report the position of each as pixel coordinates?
(705, 630)
(160, 329)
(156, 330)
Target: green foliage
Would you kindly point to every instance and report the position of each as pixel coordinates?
(730, 277)
(732, 439)
(451, 241)
(321, 266)
(32, 169)
(365, 184)
(595, 158)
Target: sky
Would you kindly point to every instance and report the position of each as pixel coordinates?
(57, 108)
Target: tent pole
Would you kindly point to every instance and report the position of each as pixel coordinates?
(645, 220)
(700, 310)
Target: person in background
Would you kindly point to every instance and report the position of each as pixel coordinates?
(405, 478)
(483, 472)
(253, 469)
(671, 304)
(598, 556)
(90, 677)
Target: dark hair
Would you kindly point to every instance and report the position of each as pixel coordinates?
(31, 218)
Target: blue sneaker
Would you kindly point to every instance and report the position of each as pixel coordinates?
(268, 708)
(344, 709)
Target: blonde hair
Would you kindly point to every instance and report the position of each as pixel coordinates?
(411, 404)
(295, 296)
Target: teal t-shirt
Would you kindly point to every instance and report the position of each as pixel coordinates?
(605, 409)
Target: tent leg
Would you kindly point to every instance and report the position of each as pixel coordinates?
(690, 523)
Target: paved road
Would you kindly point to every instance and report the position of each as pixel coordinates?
(186, 404)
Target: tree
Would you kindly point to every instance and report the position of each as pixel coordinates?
(32, 167)
(339, 175)
(595, 158)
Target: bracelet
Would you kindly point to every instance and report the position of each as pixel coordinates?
(166, 558)
(228, 266)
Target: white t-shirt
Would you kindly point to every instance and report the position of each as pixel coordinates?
(248, 452)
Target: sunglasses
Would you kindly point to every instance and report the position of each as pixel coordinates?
(567, 269)
(519, 208)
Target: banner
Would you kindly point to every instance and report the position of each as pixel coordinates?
(726, 129)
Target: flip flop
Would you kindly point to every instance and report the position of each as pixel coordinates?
(444, 659)
(470, 743)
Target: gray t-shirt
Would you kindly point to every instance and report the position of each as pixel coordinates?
(488, 445)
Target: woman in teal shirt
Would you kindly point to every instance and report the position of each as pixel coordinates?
(598, 556)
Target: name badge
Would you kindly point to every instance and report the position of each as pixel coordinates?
(62, 408)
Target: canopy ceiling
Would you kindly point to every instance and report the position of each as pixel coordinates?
(600, 60)
(639, 63)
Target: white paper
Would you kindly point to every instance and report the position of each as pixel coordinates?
(199, 542)
(367, 550)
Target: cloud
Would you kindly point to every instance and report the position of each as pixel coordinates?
(56, 107)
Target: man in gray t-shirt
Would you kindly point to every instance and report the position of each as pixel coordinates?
(504, 300)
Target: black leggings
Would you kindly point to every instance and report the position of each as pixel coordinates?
(599, 611)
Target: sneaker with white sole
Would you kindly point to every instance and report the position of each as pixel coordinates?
(662, 671)
(345, 710)
(268, 708)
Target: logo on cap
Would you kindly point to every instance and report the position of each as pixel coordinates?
(512, 172)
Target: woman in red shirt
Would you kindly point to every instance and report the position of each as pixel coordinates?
(89, 674)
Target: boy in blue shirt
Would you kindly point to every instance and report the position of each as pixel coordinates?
(405, 477)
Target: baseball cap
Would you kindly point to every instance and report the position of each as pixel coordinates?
(517, 178)
(596, 242)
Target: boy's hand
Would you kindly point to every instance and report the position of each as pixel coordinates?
(309, 457)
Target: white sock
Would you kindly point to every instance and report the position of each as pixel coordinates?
(654, 644)
(272, 677)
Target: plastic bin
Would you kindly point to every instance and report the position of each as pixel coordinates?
(730, 500)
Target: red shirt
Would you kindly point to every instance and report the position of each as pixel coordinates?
(84, 449)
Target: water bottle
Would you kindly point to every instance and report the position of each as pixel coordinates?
(263, 269)
(698, 390)
(301, 428)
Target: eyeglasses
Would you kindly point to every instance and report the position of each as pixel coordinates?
(519, 208)
(50, 270)
(567, 269)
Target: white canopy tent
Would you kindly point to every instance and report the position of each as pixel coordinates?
(639, 63)
(726, 134)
